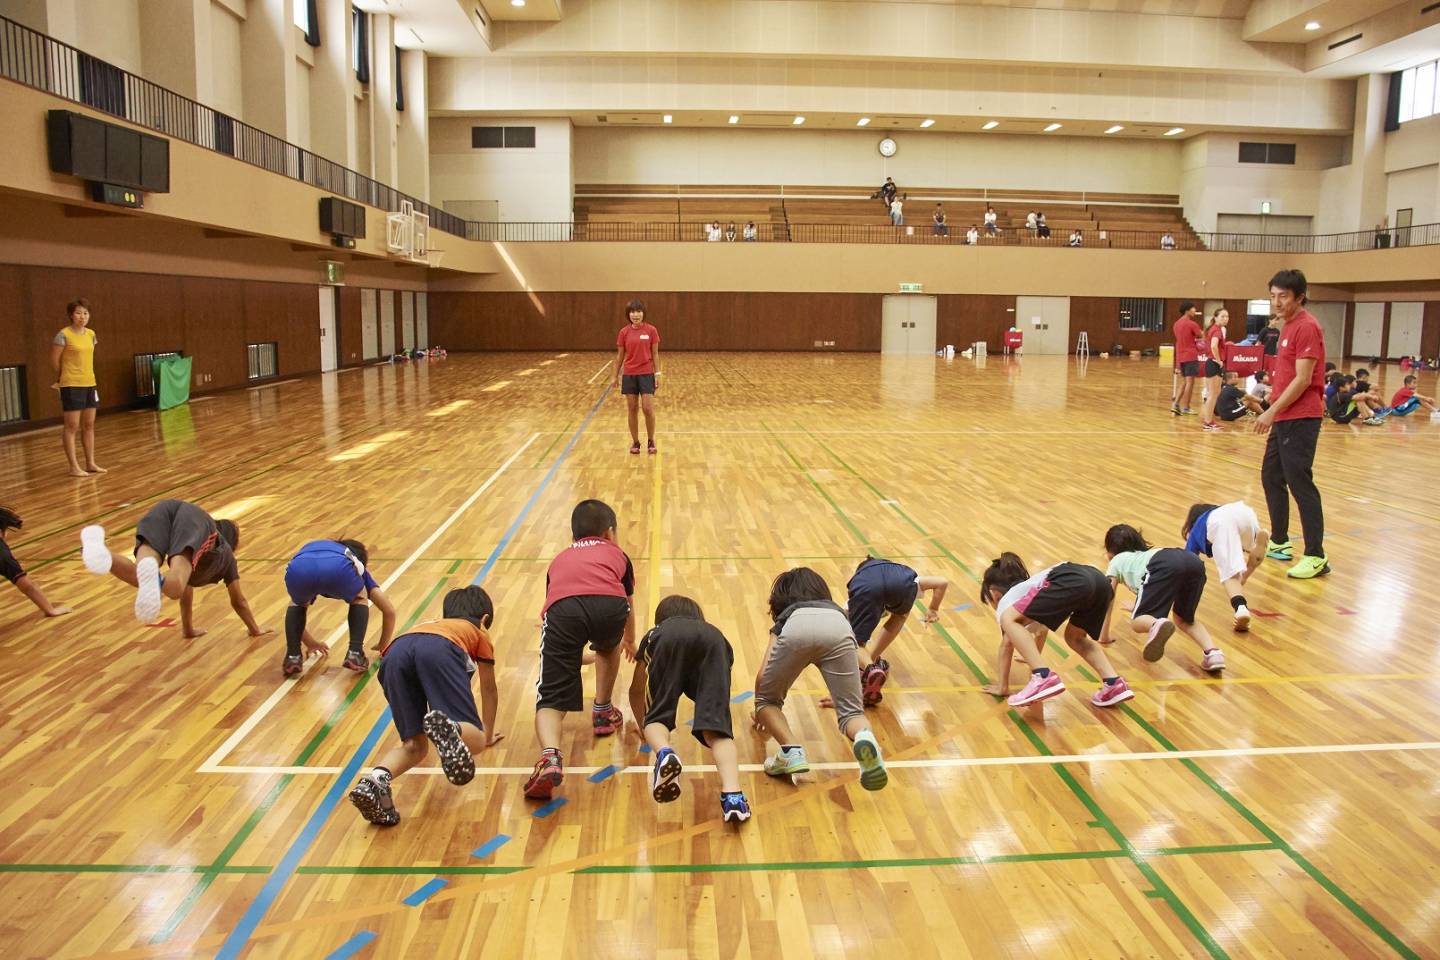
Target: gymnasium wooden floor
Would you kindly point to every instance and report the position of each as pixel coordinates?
(172, 798)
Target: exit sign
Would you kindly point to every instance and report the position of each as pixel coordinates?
(911, 287)
(332, 272)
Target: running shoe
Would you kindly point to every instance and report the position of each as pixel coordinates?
(1308, 568)
(548, 775)
(1111, 694)
(1039, 688)
(734, 807)
(93, 550)
(872, 679)
(357, 661)
(872, 766)
(1279, 551)
(292, 666)
(147, 596)
(665, 778)
(607, 721)
(371, 796)
(787, 763)
(1160, 633)
(455, 757)
(1242, 618)
(1214, 660)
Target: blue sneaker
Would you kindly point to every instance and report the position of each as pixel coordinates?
(665, 779)
(734, 806)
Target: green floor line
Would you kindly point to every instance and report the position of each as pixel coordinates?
(1315, 873)
(221, 863)
(973, 667)
(540, 460)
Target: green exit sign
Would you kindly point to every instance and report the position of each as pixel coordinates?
(912, 287)
(332, 272)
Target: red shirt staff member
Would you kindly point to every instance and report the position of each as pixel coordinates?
(1187, 354)
(1293, 422)
(637, 367)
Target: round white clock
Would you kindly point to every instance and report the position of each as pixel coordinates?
(888, 147)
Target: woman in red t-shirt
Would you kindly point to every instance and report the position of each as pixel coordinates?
(637, 370)
(1214, 365)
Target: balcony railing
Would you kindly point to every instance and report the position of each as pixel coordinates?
(38, 61)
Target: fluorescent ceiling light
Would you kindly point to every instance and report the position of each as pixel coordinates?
(1313, 25)
(734, 118)
(798, 120)
(517, 3)
(863, 122)
(1174, 130)
(991, 125)
(1052, 128)
(927, 123)
(668, 118)
(1115, 129)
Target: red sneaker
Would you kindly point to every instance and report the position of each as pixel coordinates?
(607, 722)
(872, 679)
(548, 775)
(1111, 694)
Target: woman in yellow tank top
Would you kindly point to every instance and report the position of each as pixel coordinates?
(73, 357)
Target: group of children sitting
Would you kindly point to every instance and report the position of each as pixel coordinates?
(427, 673)
(1349, 397)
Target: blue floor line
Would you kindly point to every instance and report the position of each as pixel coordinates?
(426, 892)
(604, 773)
(549, 808)
(352, 946)
(491, 845)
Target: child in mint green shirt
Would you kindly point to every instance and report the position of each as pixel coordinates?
(1163, 579)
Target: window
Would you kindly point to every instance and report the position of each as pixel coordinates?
(493, 138)
(1419, 93)
(302, 15)
(1143, 314)
(145, 372)
(262, 360)
(308, 21)
(12, 394)
(360, 44)
(1267, 153)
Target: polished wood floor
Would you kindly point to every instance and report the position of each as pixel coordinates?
(172, 798)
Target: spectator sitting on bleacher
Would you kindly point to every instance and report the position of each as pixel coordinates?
(730, 232)
(750, 233)
(1031, 222)
(1042, 230)
(712, 231)
(1167, 241)
(991, 226)
(942, 229)
(972, 236)
(897, 212)
(1077, 239)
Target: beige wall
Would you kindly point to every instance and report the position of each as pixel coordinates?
(1215, 182)
(412, 145)
(226, 91)
(520, 184)
(1412, 165)
(110, 30)
(845, 158)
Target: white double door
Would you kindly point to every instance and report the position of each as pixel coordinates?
(1045, 321)
(908, 324)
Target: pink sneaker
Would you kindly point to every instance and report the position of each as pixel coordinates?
(1160, 633)
(1111, 694)
(1039, 688)
(872, 679)
(1214, 660)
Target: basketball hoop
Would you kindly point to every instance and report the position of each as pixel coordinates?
(407, 233)
(433, 257)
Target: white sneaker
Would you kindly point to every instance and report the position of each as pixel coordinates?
(147, 597)
(93, 550)
(1242, 618)
(1214, 660)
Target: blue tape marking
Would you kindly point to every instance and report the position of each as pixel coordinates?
(963, 606)
(352, 946)
(425, 892)
(604, 773)
(644, 748)
(742, 697)
(549, 808)
(491, 845)
(239, 937)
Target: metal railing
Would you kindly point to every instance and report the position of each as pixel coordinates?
(35, 60)
(673, 231)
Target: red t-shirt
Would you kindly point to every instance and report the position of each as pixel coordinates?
(1401, 395)
(638, 342)
(1187, 332)
(593, 567)
(1216, 338)
(1301, 339)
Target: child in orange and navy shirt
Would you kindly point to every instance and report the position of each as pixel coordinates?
(426, 675)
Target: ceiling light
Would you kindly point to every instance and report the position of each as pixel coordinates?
(798, 120)
(1313, 25)
(734, 118)
(1174, 130)
(668, 118)
(991, 125)
(1115, 129)
(862, 122)
(517, 3)
(1052, 128)
(927, 123)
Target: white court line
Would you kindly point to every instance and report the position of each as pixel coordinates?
(267, 386)
(941, 762)
(212, 764)
(600, 371)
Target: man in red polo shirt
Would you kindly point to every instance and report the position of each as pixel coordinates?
(1293, 422)
(637, 366)
(1187, 353)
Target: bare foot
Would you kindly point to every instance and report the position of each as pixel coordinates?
(320, 647)
(58, 611)
(77, 472)
(995, 690)
(95, 468)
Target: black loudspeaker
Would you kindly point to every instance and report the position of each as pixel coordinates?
(154, 165)
(122, 156)
(103, 152)
(77, 144)
(341, 218)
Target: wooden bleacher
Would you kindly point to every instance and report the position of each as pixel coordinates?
(820, 213)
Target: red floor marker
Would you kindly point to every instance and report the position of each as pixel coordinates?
(167, 622)
(1345, 612)
(1265, 613)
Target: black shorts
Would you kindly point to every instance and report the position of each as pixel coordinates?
(878, 589)
(10, 568)
(1072, 592)
(172, 526)
(1190, 368)
(79, 398)
(1230, 416)
(423, 672)
(1173, 578)
(694, 659)
(634, 383)
(1213, 369)
(568, 627)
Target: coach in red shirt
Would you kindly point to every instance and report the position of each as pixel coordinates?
(1187, 353)
(1293, 422)
(637, 366)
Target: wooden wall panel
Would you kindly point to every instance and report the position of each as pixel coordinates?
(1430, 330)
(215, 314)
(347, 325)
